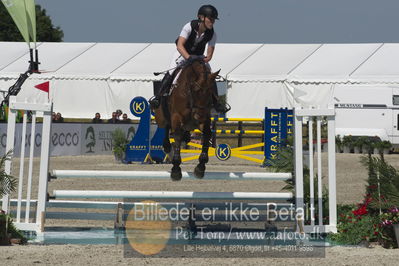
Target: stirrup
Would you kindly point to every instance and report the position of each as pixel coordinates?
(154, 102)
(222, 108)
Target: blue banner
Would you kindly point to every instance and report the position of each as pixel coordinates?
(278, 125)
(156, 150)
(138, 150)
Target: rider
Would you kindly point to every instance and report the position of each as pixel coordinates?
(190, 46)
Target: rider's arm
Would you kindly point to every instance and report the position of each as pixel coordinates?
(211, 48)
(209, 53)
(180, 47)
(184, 34)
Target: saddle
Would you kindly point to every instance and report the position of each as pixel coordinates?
(165, 95)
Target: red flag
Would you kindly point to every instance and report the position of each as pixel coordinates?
(44, 86)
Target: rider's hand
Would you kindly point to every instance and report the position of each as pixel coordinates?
(192, 58)
(206, 60)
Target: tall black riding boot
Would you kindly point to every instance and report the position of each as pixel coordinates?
(219, 107)
(166, 82)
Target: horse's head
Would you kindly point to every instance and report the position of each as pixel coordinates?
(201, 88)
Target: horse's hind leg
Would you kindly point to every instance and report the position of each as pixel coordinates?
(199, 170)
(176, 174)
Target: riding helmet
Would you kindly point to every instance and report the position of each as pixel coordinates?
(208, 11)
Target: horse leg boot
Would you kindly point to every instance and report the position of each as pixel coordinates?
(219, 107)
(166, 82)
(199, 170)
(176, 174)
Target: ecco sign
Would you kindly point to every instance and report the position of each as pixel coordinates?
(67, 139)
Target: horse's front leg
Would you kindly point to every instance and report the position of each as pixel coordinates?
(199, 170)
(166, 142)
(176, 174)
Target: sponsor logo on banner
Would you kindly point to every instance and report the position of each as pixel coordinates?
(278, 126)
(98, 138)
(105, 137)
(349, 105)
(17, 139)
(138, 106)
(90, 139)
(223, 152)
(66, 138)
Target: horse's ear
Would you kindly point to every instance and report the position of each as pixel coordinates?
(215, 74)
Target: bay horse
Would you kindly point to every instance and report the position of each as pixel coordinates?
(187, 108)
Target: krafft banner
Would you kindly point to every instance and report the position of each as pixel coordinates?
(278, 126)
(68, 138)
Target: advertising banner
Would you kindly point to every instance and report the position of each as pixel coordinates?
(97, 138)
(68, 138)
(278, 126)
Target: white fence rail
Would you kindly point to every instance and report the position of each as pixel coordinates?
(37, 110)
(303, 207)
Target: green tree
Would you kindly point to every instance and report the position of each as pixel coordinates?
(46, 32)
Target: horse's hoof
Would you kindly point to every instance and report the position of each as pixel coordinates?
(176, 176)
(199, 172)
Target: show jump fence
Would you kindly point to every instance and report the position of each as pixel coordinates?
(37, 110)
(147, 147)
(301, 203)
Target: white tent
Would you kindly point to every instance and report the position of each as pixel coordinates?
(102, 77)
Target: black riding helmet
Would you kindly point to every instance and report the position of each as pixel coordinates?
(208, 11)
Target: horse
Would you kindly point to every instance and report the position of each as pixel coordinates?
(188, 107)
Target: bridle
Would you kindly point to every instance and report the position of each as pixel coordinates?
(193, 84)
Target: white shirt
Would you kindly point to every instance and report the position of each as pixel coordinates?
(186, 31)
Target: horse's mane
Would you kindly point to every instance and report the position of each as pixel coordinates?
(190, 71)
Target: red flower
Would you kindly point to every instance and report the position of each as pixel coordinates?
(368, 200)
(361, 211)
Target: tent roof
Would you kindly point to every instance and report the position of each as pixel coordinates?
(272, 62)
(333, 62)
(101, 59)
(10, 52)
(302, 63)
(382, 66)
(152, 58)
